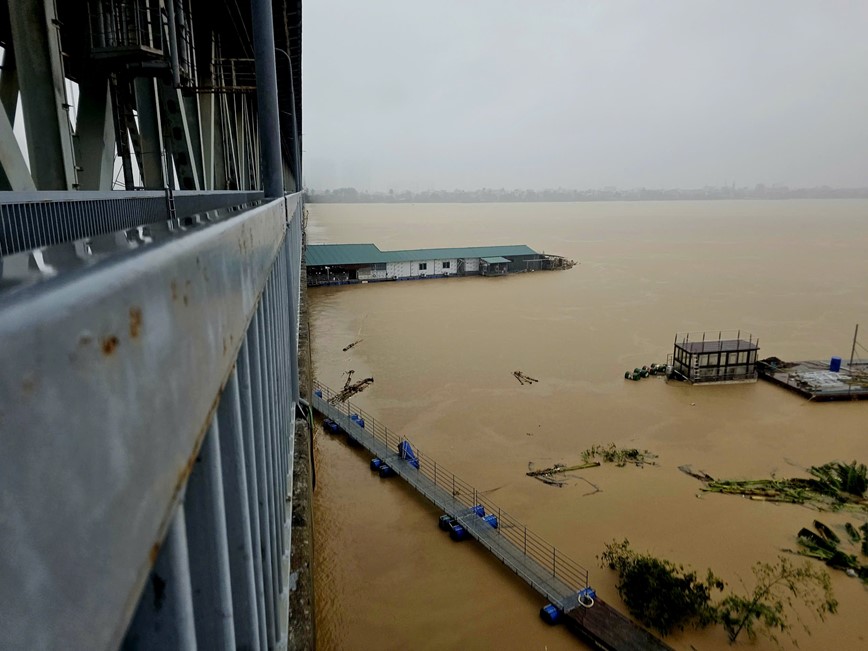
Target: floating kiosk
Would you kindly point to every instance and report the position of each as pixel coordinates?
(723, 357)
(346, 264)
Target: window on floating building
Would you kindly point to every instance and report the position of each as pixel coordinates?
(447, 265)
(423, 266)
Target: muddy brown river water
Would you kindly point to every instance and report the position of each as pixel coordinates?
(442, 352)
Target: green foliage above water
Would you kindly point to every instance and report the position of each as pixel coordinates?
(665, 596)
(660, 594)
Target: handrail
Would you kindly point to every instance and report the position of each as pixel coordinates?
(525, 541)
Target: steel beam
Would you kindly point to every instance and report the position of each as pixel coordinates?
(266, 97)
(177, 130)
(9, 84)
(14, 174)
(151, 134)
(95, 133)
(43, 93)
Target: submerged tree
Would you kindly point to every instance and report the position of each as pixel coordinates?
(660, 594)
(779, 586)
(665, 596)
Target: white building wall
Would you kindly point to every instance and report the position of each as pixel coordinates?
(471, 264)
(446, 267)
(399, 269)
(412, 270)
(427, 271)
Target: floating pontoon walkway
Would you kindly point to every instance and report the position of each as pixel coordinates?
(555, 576)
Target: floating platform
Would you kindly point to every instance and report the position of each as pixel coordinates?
(469, 514)
(815, 379)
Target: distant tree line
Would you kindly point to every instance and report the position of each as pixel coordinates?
(501, 195)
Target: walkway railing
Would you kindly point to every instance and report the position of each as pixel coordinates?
(147, 411)
(541, 564)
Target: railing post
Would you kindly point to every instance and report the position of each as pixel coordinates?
(208, 548)
(525, 541)
(554, 560)
(167, 621)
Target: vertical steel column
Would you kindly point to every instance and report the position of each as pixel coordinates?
(249, 432)
(164, 616)
(268, 447)
(150, 134)
(238, 517)
(266, 97)
(95, 133)
(209, 554)
(36, 37)
(266, 524)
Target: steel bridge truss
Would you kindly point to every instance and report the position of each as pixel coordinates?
(141, 94)
(149, 327)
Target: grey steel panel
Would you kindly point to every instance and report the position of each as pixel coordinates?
(139, 347)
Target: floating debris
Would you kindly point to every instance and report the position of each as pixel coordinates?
(834, 486)
(558, 467)
(524, 379)
(827, 533)
(619, 456)
(349, 379)
(550, 475)
(852, 532)
(701, 475)
(350, 390)
(825, 547)
(355, 343)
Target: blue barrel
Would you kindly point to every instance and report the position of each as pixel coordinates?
(550, 614)
(318, 393)
(458, 533)
(445, 522)
(376, 462)
(478, 510)
(386, 471)
(491, 520)
(835, 364)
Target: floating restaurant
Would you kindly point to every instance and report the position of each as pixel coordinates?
(343, 264)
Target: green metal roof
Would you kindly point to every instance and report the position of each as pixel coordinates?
(318, 255)
(493, 260)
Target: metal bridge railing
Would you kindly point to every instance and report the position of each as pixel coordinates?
(30, 220)
(147, 411)
(524, 541)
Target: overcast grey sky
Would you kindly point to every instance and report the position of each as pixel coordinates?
(412, 94)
